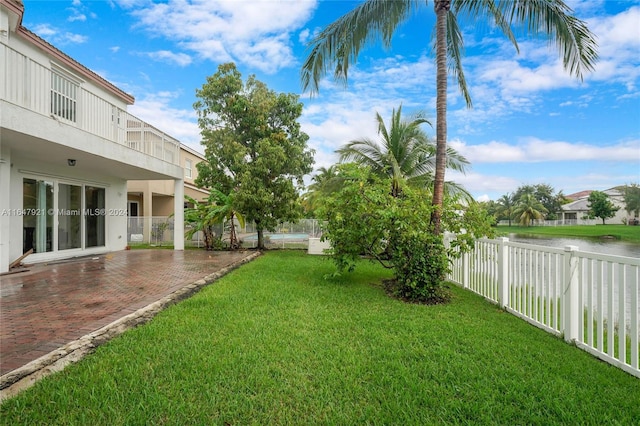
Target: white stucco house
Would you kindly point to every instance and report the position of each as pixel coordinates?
(577, 210)
(68, 146)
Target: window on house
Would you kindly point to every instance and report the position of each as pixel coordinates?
(64, 97)
(187, 168)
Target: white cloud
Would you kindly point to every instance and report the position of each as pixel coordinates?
(45, 30)
(180, 59)
(77, 16)
(155, 109)
(532, 149)
(114, 49)
(515, 76)
(73, 38)
(582, 7)
(618, 47)
(256, 33)
(57, 37)
(305, 36)
(483, 184)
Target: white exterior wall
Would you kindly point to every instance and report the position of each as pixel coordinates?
(5, 203)
(108, 145)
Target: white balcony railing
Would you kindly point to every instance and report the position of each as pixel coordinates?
(28, 85)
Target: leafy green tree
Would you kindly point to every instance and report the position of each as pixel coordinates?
(632, 199)
(364, 217)
(522, 190)
(404, 152)
(492, 209)
(601, 206)
(528, 209)
(253, 146)
(340, 43)
(544, 193)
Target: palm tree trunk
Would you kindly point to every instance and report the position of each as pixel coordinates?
(441, 9)
(233, 238)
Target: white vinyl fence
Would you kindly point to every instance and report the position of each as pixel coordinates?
(590, 299)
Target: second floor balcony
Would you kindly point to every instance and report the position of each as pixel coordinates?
(56, 94)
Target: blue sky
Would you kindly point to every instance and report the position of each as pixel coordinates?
(530, 122)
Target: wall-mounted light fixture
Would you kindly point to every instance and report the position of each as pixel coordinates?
(71, 162)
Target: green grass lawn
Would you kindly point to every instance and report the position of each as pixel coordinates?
(620, 232)
(275, 343)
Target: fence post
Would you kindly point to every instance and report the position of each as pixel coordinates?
(571, 312)
(503, 272)
(465, 270)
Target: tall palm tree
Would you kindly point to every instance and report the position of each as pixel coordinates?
(404, 152)
(201, 219)
(338, 45)
(506, 206)
(224, 210)
(324, 182)
(528, 209)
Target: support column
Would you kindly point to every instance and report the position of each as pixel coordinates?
(178, 214)
(147, 212)
(5, 208)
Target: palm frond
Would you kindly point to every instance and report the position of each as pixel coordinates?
(455, 47)
(363, 151)
(576, 45)
(404, 153)
(341, 42)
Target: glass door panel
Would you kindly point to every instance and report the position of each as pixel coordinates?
(69, 216)
(37, 215)
(94, 216)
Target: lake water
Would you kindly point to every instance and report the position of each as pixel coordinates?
(593, 245)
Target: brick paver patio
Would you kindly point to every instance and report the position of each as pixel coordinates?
(51, 305)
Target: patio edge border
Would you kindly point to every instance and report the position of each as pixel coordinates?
(26, 376)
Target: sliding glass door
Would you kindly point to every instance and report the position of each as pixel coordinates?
(62, 216)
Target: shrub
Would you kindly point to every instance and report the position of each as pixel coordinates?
(421, 266)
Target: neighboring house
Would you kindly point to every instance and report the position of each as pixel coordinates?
(155, 199)
(578, 209)
(67, 149)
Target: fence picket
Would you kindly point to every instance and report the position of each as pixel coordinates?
(622, 328)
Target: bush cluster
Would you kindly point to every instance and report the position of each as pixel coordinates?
(366, 217)
(421, 267)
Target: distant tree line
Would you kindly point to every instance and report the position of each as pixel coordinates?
(526, 204)
(540, 202)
